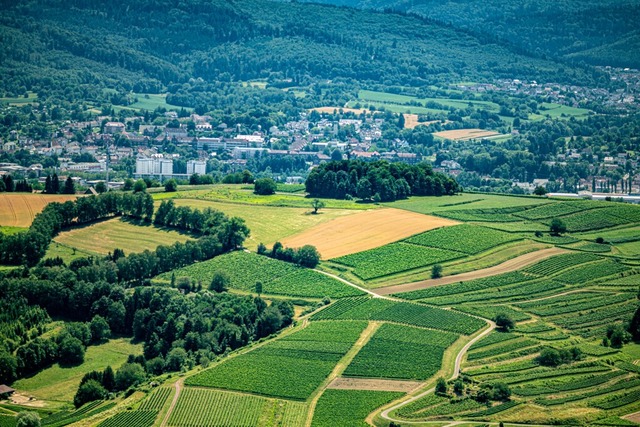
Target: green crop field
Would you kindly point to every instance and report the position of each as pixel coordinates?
(131, 418)
(470, 239)
(277, 277)
(288, 367)
(468, 286)
(349, 407)
(394, 258)
(364, 308)
(591, 271)
(209, 408)
(558, 263)
(416, 354)
(156, 400)
(60, 384)
(103, 237)
(551, 210)
(269, 224)
(485, 202)
(63, 418)
(391, 98)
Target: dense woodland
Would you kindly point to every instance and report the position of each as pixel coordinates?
(378, 181)
(602, 32)
(75, 50)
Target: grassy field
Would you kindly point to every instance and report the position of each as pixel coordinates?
(151, 101)
(67, 253)
(363, 231)
(238, 194)
(368, 95)
(269, 224)
(60, 384)
(19, 209)
(103, 237)
(21, 100)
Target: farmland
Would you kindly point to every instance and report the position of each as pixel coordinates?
(465, 134)
(103, 237)
(405, 346)
(394, 258)
(277, 277)
(363, 231)
(220, 408)
(269, 224)
(19, 209)
(470, 239)
(291, 367)
(564, 295)
(349, 407)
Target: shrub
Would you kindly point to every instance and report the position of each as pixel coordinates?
(265, 186)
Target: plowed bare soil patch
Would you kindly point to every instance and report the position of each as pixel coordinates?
(19, 209)
(365, 230)
(374, 384)
(411, 121)
(463, 134)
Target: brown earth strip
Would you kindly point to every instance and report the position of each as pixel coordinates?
(374, 384)
(506, 267)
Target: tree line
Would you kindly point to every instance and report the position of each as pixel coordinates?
(380, 181)
(29, 247)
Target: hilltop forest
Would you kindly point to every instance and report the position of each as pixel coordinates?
(76, 50)
(602, 32)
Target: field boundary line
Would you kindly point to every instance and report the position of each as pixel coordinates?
(508, 266)
(342, 364)
(346, 282)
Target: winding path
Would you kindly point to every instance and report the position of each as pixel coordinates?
(456, 373)
(506, 267)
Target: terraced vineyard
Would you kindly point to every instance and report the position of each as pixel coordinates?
(405, 347)
(212, 408)
(131, 418)
(349, 407)
(394, 258)
(467, 238)
(365, 308)
(290, 367)
(277, 277)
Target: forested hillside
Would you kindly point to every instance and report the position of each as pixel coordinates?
(76, 49)
(602, 32)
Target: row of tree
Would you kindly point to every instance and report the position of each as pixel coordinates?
(306, 256)
(28, 247)
(52, 185)
(9, 185)
(380, 180)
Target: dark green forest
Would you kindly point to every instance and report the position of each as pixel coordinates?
(75, 50)
(602, 32)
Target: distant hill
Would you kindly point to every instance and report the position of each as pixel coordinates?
(599, 32)
(77, 48)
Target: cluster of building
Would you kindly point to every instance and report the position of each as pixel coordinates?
(625, 96)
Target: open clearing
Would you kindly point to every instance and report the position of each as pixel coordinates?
(374, 384)
(19, 209)
(365, 230)
(269, 224)
(60, 384)
(506, 267)
(103, 237)
(466, 134)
